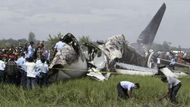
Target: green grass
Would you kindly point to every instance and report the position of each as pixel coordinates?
(86, 92)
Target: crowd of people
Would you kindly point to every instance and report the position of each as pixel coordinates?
(26, 66)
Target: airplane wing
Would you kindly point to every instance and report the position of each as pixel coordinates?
(144, 71)
(129, 69)
(167, 62)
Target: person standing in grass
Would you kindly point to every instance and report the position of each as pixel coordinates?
(42, 68)
(2, 69)
(20, 63)
(31, 74)
(125, 88)
(173, 87)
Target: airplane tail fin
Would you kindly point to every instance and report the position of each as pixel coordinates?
(148, 34)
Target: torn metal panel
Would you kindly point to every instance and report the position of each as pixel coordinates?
(122, 68)
(134, 72)
(135, 68)
(130, 56)
(167, 72)
(69, 62)
(113, 48)
(100, 62)
(96, 74)
(66, 56)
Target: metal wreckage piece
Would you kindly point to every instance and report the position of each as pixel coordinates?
(69, 63)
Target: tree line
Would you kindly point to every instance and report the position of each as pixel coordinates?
(52, 39)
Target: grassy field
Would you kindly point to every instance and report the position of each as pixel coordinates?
(86, 92)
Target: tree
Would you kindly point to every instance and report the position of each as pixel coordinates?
(84, 39)
(31, 37)
(166, 46)
(53, 39)
(22, 42)
(12, 42)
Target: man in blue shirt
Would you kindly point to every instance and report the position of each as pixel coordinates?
(20, 64)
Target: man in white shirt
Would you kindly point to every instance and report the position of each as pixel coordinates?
(21, 60)
(173, 87)
(31, 73)
(172, 63)
(42, 69)
(158, 62)
(59, 45)
(30, 50)
(2, 69)
(124, 89)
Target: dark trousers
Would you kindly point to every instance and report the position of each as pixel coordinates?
(31, 83)
(122, 93)
(172, 66)
(174, 91)
(23, 78)
(43, 79)
(1, 75)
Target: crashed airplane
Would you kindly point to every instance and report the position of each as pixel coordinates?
(122, 56)
(114, 55)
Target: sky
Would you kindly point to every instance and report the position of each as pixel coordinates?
(98, 19)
